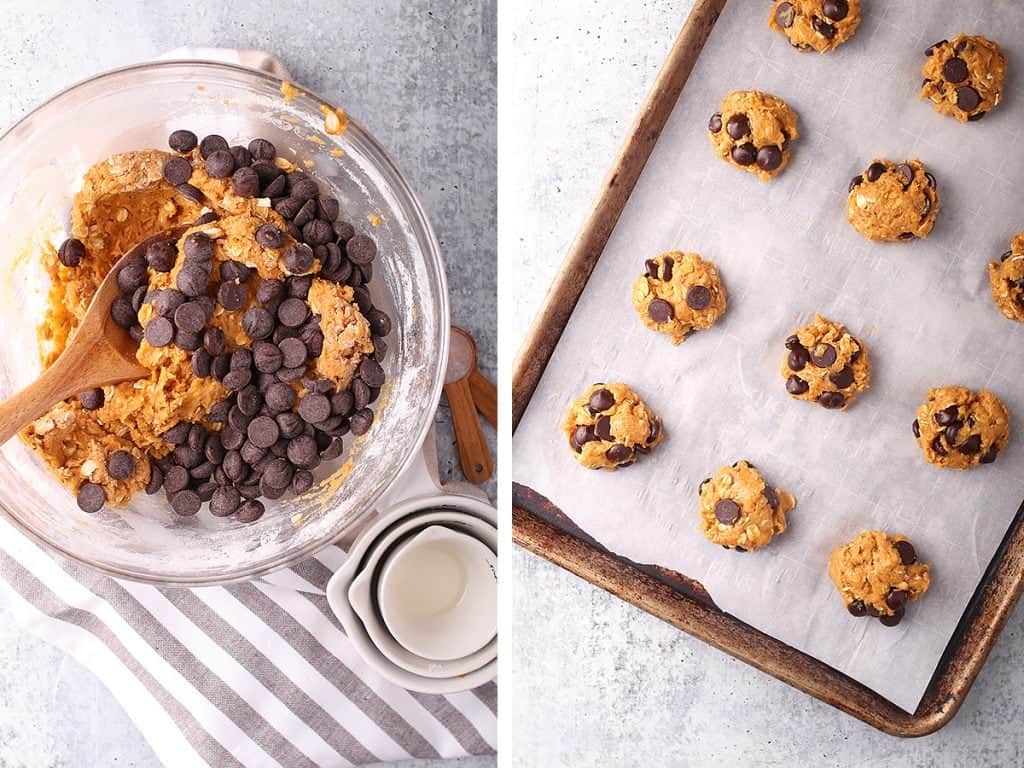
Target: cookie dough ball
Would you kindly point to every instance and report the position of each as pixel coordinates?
(739, 510)
(609, 426)
(679, 293)
(964, 78)
(961, 429)
(878, 574)
(1007, 278)
(753, 131)
(826, 365)
(815, 25)
(892, 202)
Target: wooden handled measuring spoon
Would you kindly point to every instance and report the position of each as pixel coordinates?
(474, 455)
(100, 352)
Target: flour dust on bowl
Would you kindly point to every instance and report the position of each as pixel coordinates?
(42, 161)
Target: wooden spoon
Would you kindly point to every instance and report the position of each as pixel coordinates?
(474, 455)
(99, 353)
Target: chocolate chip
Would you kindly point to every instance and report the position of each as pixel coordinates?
(798, 358)
(302, 481)
(263, 432)
(258, 323)
(361, 249)
(122, 313)
(245, 182)
(971, 445)
(267, 357)
(738, 126)
(857, 608)
(619, 454)
(262, 149)
(875, 171)
(897, 598)
(250, 511)
(908, 556)
(603, 428)
(91, 497)
(344, 231)
(201, 363)
(280, 397)
(237, 379)
(292, 312)
(211, 144)
(715, 123)
(771, 497)
(785, 14)
(177, 170)
(371, 372)
(836, 10)
(938, 447)
(333, 449)
(727, 511)
(744, 154)
(892, 621)
(947, 416)
(769, 158)
(583, 434)
(823, 28)
(92, 399)
(120, 465)
(361, 421)
(225, 501)
(298, 258)
(294, 354)
(796, 386)
(916, 427)
(660, 311)
(843, 378)
(186, 503)
(269, 236)
(967, 98)
(976, 117)
(190, 317)
(303, 452)
(831, 400)
(990, 455)
(314, 408)
(241, 156)
(71, 252)
(930, 50)
(823, 355)
(232, 296)
(317, 232)
(219, 164)
(161, 255)
(303, 187)
(249, 400)
(855, 182)
(380, 322)
(792, 342)
(698, 298)
(159, 331)
(192, 280)
(905, 172)
(600, 400)
(131, 275)
(182, 141)
(955, 70)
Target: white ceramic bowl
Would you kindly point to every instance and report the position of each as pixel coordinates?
(337, 594)
(362, 599)
(438, 593)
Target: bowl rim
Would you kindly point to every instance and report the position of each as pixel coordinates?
(430, 247)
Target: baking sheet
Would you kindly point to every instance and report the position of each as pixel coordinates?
(786, 251)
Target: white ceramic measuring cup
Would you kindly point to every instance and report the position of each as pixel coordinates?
(438, 593)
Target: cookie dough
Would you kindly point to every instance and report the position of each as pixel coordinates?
(878, 574)
(892, 202)
(964, 78)
(815, 25)
(186, 304)
(753, 131)
(609, 426)
(679, 293)
(960, 429)
(826, 365)
(1007, 278)
(739, 510)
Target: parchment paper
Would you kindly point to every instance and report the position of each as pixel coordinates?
(785, 251)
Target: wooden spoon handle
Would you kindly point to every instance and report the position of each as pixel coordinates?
(485, 395)
(34, 400)
(474, 456)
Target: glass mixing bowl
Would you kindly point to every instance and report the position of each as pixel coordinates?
(42, 159)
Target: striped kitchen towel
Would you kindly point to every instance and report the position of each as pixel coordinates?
(255, 674)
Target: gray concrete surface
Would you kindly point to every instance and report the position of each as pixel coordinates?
(587, 679)
(419, 74)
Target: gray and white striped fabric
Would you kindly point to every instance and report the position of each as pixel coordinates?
(254, 674)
